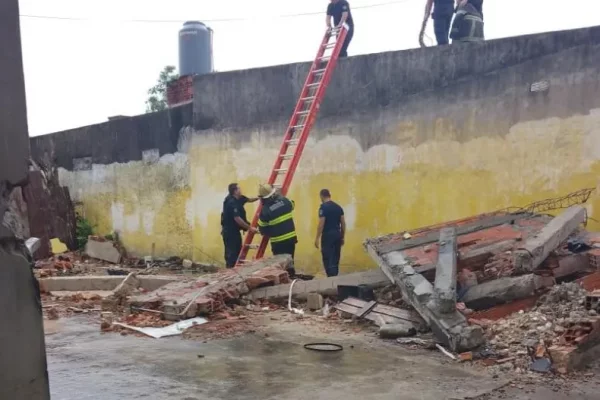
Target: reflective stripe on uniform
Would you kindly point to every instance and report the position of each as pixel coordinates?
(278, 220)
(281, 238)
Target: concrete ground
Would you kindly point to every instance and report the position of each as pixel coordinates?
(269, 364)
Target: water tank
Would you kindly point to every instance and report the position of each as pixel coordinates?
(195, 49)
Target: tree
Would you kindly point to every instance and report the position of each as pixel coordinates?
(157, 94)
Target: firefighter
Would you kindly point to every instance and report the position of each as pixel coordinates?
(330, 232)
(233, 220)
(339, 10)
(468, 23)
(277, 223)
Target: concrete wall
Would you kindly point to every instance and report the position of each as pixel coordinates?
(23, 372)
(404, 139)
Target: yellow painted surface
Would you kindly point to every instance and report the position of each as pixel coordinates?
(57, 246)
(176, 204)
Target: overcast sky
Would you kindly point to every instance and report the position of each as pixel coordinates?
(100, 63)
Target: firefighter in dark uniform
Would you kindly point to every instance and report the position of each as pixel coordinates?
(277, 223)
(468, 23)
(233, 220)
(443, 11)
(331, 232)
(339, 10)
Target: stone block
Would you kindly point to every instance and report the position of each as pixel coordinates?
(103, 251)
(445, 272)
(314, 301)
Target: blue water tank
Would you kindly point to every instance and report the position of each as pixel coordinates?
(195, 49)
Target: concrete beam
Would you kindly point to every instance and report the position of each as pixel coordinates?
(104, 283)
(536, 249)
(327, 286)
(445, 273)
(504, 290)
(451, 329)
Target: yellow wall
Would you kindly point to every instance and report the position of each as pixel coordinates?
(176, 203)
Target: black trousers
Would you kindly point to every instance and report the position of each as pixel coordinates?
(331, 249)
(286, 247)
(344, 50)
(441, 27)
(233, 246)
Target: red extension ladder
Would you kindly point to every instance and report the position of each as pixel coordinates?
(299, 128)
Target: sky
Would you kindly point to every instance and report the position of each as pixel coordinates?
(97, 58)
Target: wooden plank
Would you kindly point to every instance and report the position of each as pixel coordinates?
(366, 309)
(353, 301)
(466, 229)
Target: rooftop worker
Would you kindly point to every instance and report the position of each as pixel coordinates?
(276, 222)
(233, 219)
(468, 23)
(339, 10)
(443, 10)
(331, 231)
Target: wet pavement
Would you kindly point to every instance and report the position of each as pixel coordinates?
(85, 364)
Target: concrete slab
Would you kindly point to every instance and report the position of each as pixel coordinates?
(536, 249)
(327, 287)
(504, 290)
(103, 251)
(108, 283)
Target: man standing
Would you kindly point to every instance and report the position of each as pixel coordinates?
(443, 10)
(339, 10)
(468, 23)
(233, 219)
(331, 231)
(276, 222)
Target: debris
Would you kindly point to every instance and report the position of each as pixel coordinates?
(505, 360)
(380, 314)
(445, 275)
(446, 352)
(33, 244)
(314, 301)
(362, 292)
(170, 330)
(427, 344)
(52, 313)
(468, 356)
(187, 264)
(504, 290)
(57, 246)
(290, 308)
(394, 331)
(541, 365)
(102, 249)
(536, 249)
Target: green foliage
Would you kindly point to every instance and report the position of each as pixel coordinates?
(84, 229)
(157, 99)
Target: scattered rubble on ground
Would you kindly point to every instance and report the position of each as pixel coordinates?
(487, 290)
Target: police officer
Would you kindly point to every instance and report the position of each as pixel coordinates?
(443, 10)
(277, 223)
(331, 231)
(233, 219)
(339, 10)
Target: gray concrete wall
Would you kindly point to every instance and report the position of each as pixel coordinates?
(23, 372)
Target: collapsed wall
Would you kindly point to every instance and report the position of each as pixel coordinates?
(403, 139)
(23, 372)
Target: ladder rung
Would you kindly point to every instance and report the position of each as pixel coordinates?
(277, 186)
(319, 71)
(297, 126)
(329, 45)
(324, 58)
(281, 170)
(313, 84)
(287, 156)
(311, 98)
(292, 141)
(303, 112)
(252, 246)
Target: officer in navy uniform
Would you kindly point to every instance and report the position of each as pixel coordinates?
(443, 11)
(331, 232)
(339, 10)
(277, 222)
(233, 220)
